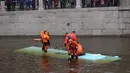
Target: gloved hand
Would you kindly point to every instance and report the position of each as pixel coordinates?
(70, 40)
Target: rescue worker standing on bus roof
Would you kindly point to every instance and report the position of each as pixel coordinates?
(66, 40)
(72, 49)
(45, 40)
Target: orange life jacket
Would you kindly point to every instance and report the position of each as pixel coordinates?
(42, 33)
(45, 38)
(72, 48)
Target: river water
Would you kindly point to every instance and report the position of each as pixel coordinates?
(13, 62)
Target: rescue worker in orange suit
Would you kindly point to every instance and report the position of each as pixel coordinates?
(75, 49)
(72, 49)
(45, 40)
(66, 40)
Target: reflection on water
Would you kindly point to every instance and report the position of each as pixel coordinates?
(45, 64)
(53, 67)
(73, 67)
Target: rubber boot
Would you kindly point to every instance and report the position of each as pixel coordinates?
(42, 49)
(72, 57)
(76, 57)
(45, 51)
(69, 60)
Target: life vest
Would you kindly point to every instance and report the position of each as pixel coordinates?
(72, 45)
(45, 38)
(42, 33)
(72, 48)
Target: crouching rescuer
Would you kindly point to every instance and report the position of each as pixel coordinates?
(75, 49)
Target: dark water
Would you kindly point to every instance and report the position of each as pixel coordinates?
(12, 62)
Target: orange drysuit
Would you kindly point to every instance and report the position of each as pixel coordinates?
(75, 48)
(42, 33)
(79, 49)
(72, 47)
(45, 39)
(73, 36)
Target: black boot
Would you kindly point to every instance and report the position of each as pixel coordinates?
(72, 57)
(45, 51)
(76, 57)
(42, 49)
